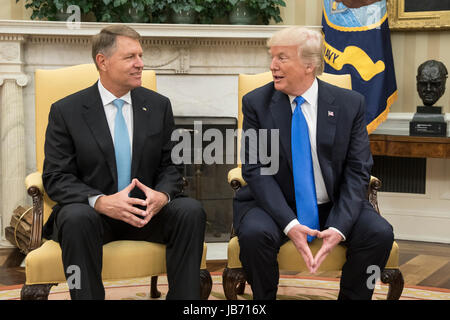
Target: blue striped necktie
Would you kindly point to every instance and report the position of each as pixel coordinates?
(305, 188)
(122, 147)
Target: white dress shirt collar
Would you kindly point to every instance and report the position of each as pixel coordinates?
(107, 97)
(309, 95)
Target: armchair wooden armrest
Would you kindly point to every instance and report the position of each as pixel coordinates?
(35, 189)
(374, 187)
(34, 180)
(235, 178)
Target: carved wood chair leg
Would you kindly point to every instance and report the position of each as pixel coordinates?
(394, 278)
(154, 293)
(36, 291)
(205, 284)
(240, 288)
(233, 281)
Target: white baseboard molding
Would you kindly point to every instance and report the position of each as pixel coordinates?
(421, 238)
(419, 228)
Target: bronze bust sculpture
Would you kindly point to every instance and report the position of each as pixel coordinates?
(429, 120)
(431, 78)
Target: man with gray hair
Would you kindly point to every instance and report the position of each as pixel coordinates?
(108, 166)
(324, 170)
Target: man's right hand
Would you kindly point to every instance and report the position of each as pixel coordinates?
(119, 206)
(298, 235)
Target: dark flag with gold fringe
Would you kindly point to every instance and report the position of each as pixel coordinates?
(357, 42)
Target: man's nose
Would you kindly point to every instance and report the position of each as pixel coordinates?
(139, 62)
(274, 64)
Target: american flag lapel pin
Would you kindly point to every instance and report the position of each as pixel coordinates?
(330, 113)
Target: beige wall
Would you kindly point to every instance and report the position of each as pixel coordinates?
(302, 12)
(14, 11)
(410, 49)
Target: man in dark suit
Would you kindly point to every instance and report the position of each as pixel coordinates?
(108, 166)
(328, 200)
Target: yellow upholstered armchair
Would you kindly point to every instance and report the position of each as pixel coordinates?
(43, 265)
(288, 257)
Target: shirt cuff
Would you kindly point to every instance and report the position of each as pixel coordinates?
(290, 225)
(168, 196)
(92, 200)
(342, 235)
(295, 222)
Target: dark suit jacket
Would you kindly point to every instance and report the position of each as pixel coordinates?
(79, 151)
(343, 150)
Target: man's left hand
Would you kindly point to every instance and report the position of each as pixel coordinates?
(331, 239)
(155, 200)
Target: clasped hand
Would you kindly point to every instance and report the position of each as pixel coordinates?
(298, 235)
(120, 206)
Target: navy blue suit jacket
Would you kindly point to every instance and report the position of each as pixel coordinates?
(342, 146)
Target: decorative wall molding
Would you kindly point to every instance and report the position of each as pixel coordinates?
(9, 51)
(46, 39)
(11, 37)
(86, 40)
(20, 78)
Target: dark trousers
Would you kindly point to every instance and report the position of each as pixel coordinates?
(180, 225)
(260, 239)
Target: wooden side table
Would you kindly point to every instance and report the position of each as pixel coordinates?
(410, 146)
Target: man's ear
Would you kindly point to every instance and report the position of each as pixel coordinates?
(101, 61)
(309, 68)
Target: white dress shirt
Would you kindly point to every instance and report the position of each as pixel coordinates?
(110, 112)
(309, 109)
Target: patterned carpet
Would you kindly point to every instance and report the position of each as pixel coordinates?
(290, 288)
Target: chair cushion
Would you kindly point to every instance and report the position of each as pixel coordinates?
(121, 260)
(290, 260)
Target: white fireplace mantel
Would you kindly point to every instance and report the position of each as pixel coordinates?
(168, 48)
(60, 28)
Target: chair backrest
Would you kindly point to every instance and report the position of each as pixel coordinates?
(249, 82)
(52, 85)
